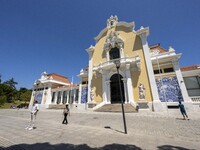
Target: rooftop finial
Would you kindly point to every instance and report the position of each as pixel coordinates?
(111, 22)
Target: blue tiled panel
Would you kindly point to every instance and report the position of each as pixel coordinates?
(38, 97)
(169, 90)
(84, 95)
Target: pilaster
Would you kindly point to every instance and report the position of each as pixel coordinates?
(79, 94)
(129, 85)
(104, 88)
(48, 94)
(181, 83)
(143, 33)
(156, 105)
(125, 90)
(108, 91)
(90, 51)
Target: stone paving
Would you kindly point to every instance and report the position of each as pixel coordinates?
(89, 130)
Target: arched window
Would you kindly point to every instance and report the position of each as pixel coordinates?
(114, 53)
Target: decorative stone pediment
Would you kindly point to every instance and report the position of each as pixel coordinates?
(113, 40)
(155, 52)
(112, 21)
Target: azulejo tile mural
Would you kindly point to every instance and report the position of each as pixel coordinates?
(38, 97)
(84, 95)
(169, 89)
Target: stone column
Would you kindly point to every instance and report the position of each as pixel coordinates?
(108, 91)
(67, 97)
(181, 83)
(79, 94)
(61, 97)
(48, 96)
(90, 51)
(125, 90)
(74, 95)
(104, 86)
(56, 97)
(129, 85)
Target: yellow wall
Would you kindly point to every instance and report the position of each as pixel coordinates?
(97, 85)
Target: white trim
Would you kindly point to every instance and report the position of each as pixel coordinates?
(181, 82)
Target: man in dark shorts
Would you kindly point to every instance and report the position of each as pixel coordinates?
(183, 111)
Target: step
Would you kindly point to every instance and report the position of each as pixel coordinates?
(116, 108)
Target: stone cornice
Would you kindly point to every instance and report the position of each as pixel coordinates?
(143, 32)
(90, 49)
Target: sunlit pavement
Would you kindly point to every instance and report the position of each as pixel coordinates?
(89, 130)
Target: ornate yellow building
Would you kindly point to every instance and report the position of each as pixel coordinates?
(148, 75)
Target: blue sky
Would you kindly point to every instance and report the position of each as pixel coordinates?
(52, 35)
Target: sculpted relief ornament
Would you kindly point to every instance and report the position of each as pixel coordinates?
(141, 91)
(92, 94)
(113, 40)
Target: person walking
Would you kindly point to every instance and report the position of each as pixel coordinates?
(34, 110)
(183, 111)
(65, 113)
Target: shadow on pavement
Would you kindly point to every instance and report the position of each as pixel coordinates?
(108, 127)
(66, 146)
(63, 146)
(170, 147)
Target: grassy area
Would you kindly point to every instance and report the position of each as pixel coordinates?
(15, 103)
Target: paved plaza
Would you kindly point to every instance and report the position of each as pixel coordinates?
(89, 130)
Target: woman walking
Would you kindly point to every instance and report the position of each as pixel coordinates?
(65, 113)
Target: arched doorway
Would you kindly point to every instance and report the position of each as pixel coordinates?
(115, 89)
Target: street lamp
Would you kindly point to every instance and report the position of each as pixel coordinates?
(117, 63)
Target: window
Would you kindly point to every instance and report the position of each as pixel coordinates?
(64, 97)
(193, 86)
(166, 70)
(53, 97)
(157, 71)
(114, 53)
(84, 82)
(59, 97)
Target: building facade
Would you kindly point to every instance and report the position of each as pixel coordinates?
(149, 76)
(53, 90)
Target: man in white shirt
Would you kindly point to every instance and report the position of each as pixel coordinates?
(34, 110)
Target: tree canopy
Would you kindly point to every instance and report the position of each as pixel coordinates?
(9, 93)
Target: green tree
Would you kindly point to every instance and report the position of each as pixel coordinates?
(0, 78)
(11, 83)
(7, 91)
(26, 96)
(2, 99)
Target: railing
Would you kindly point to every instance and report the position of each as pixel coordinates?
(195, 99)
(122, 60)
